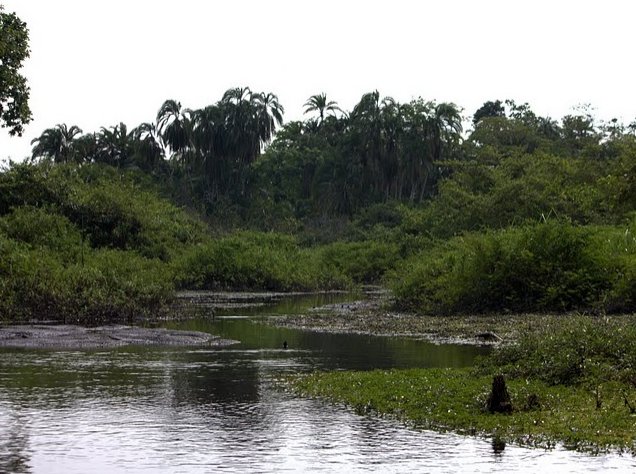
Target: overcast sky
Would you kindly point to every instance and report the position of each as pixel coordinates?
(97, 63)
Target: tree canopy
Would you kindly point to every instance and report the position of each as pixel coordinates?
(14, 92)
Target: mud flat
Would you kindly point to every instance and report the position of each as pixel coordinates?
(103, 337)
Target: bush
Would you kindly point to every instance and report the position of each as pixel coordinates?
(111, 286)
(570, 351)
(363, 262)
(543, 267)
(43, 228)
(250, 261)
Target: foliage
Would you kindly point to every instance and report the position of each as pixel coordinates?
(109, 286)
(14, 92)
(363, 262)
(253, 260)
(518, 189)
(454, 399)
(570, 351)
(42, 228)
(548, 266)
(359, 191)
(86, 244)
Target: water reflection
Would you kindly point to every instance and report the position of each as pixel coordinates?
(14, 456)
(198, 410)
(498, 447)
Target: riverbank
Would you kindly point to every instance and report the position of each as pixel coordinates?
(103, 337)
(571, 377)
(372, 316)
(455, 400)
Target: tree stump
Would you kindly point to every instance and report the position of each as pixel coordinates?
(499, 398)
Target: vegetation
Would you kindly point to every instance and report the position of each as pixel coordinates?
(571, 380)
(549, 266)
(521, 213)
(455, 399)
(14, 92)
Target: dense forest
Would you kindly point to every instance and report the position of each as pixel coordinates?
(505, 211)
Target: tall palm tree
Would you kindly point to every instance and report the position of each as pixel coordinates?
(446, 128)
(251, 119)
(114, 145)
(174, 126)
(208, 140)
(319, 103)
(56, 143)
(240, 132)
(269, 115)
(147, 149)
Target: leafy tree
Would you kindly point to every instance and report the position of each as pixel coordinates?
(14, 92)
(489, 109)
(579, 130)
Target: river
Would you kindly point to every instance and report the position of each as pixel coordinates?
(200, 410)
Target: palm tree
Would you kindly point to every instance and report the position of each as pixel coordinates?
(208, 154)
(56, 143)
(445, 127)
(174, 126)
(147, 149)
(373, 128)
(318, 103)
(114, 145)
(249, 123)
(269, 115)
(251, 119)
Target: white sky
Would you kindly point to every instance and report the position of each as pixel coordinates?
(96, 63)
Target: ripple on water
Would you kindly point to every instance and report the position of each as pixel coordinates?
(200, 411)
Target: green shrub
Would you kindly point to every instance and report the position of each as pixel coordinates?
(248, 260)
(111, 286)
(43, 228)
(570, 351)
(544, 267)
(363, 262)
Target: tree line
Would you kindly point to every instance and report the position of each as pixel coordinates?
(238, 152)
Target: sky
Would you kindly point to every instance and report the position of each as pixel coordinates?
(100, 62)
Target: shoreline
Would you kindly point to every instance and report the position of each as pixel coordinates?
(370, 316)
(39, 336)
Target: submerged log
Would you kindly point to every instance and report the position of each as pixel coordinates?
(488, 336)
(499, 398)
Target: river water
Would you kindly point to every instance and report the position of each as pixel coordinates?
(198, 410)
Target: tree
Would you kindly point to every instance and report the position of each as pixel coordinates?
(147, 149)
(489, 109)
(319, 103)
(14, 92)
(56, 143)
(446, 128)
(174, 126)
(114, 145)
(269, 114)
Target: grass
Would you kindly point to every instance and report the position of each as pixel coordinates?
(454, 399)
(580, 369)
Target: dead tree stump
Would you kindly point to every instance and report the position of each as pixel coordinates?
(499, 398)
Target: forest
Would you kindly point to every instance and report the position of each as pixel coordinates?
(503, 210)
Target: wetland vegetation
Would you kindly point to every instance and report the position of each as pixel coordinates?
(469, 221)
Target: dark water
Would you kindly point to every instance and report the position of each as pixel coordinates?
(202, 410)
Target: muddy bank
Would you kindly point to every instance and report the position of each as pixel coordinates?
(371, 316)
(104, 337)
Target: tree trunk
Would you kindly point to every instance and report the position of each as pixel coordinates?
(499, 398)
